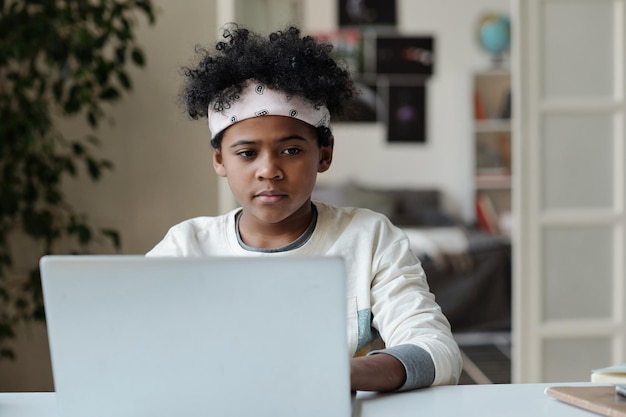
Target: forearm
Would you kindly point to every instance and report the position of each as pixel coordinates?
(379, 372)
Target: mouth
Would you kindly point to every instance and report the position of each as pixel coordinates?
(270, 196)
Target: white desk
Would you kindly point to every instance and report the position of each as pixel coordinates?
(27, 404)
(516, 400)
(526, 400)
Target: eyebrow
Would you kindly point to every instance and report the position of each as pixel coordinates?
(243, 142)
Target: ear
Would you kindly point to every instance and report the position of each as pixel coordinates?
(326, 155)
(218, 163)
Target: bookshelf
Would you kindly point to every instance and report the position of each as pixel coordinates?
(492, 150)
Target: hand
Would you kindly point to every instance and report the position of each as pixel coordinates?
(379, 372)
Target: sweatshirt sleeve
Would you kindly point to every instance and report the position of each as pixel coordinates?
(405, 313)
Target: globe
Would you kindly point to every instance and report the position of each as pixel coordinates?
(494, 34)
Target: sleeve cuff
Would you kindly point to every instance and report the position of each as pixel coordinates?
(418, 364)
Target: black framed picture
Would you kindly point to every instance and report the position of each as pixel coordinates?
(406, 114)
(399, 55)
(367, 13)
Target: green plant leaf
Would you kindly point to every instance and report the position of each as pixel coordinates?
(21, 304)
(113, 236)
(146, 6)
(80, 230)
(56, 58)
(124, 80)
(38, 224)
(120, 54)
(57, 90)
(138, 57)
(93, 168)
(78, 149)
(6, 332)
(109, 93)
(92, 119)
(7, 354)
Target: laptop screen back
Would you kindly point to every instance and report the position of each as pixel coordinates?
(136, 336)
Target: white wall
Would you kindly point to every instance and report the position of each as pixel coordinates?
(163, 168)
(446, 160)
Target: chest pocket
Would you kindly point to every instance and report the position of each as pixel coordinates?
(353, 325)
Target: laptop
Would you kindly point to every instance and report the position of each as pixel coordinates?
(147, 337)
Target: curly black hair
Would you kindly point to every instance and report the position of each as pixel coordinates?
(285, 60)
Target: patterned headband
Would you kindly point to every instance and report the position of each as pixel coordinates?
(256, 100)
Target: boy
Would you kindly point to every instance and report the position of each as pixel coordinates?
(269, 103)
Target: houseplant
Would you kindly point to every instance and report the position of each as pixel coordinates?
(58, 58)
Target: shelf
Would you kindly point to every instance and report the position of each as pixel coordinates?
(492, 151)
(492, 126)
(492, 181)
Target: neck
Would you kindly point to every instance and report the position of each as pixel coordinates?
(275, 235)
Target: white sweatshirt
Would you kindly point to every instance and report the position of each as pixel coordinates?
(386, 285)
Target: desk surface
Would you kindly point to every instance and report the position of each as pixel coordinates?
(467, 400)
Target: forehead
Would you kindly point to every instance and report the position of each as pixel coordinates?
(268, 128)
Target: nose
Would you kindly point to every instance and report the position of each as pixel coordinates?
(269, 168)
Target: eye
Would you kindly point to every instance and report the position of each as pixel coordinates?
(245, 153)
(292, 151)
